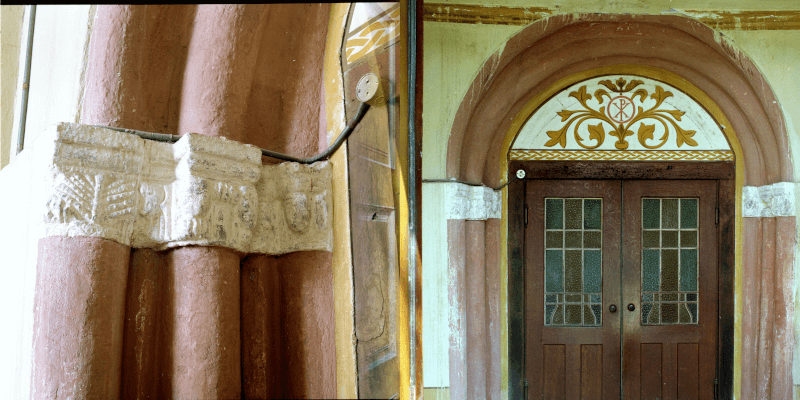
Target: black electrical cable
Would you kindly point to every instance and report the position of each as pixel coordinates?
(348, 130)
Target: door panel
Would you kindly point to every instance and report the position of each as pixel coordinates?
(659, 269)
(685, 346)
(572, 361)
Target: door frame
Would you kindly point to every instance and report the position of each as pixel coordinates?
(722, 172)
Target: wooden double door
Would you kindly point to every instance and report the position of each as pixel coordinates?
(621, 289)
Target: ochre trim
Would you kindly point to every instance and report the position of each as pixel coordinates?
(748, 20)
(342, 257)
(501, 15)
(475, 14)
(620, 155)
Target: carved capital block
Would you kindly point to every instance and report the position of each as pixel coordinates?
(293, 208)
(776, 200)
(200, 191)
(472, 202)
(91, 183)
(214, 192)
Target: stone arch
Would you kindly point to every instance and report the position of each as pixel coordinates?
(560, 46)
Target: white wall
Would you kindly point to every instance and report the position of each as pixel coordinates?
(435, 302)
(60, 51)
(21, 208)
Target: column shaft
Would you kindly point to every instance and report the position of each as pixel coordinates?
(202, 347)
(78, 318)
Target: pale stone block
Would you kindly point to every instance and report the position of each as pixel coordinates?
(776, 200)
(472, 202)
(293, 209)
(200, 191)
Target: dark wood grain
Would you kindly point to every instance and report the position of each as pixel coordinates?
(688, 371)
(625, 170)
(591, 372)
(373, 218)
(572, 388)
(539, 337)
(727, 254)
(713, 339)
(554, 371)
(670, 371)
(703, 335)
(516, 289)
(651, 371)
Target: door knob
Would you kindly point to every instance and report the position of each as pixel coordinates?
(631, 307)
(612, 308)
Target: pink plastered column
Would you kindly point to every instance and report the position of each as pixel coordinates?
(78, 318)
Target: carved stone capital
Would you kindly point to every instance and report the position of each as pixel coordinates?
(776, 200)
(199, 191)
(472, 202)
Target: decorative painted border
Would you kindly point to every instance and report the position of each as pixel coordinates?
(200, 191)
(776, 200)
(470, 202)
(621, 155)
(500, 15)
(374, 35)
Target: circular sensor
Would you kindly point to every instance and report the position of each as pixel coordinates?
(367, 87)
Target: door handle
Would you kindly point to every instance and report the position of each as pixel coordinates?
(612, 308)
(631, 307)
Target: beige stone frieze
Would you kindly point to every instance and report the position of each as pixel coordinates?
(470, 202)
(776, 200)
(199, 191)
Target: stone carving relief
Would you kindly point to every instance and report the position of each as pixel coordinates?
(293, 204)
(200, 191)
(472, 202)
(776, 200)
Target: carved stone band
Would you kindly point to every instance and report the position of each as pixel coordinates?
(199, 191)
(471, 202)
(776, 200)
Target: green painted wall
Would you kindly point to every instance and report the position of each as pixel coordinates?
(454, 52)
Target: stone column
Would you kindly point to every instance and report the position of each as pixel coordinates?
(78, 318)
(82, 269)
(141, 345)
(207, 201)
(214, 204)
(263, 360)
(203, 336)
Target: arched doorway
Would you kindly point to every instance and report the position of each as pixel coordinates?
(627, 239)
(484, 129)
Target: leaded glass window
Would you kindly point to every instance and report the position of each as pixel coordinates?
(573, 261)
(669, 261)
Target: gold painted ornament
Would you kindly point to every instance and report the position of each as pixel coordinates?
(622, 113)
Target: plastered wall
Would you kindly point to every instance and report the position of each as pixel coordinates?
(60, 49)
(10, 32)
(454, 53)
(60, 39)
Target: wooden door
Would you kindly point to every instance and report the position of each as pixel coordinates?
(670, 277)
(621, 298)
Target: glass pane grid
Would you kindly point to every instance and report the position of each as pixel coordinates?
(669, 261)
(573, 262)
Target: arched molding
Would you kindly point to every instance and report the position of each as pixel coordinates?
(536, 62)
(560, 46)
